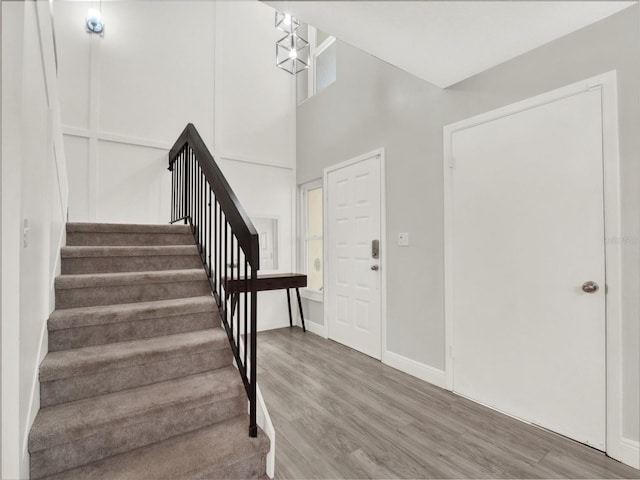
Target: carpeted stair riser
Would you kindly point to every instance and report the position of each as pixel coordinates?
(151, 428)
(220, 451)
(77, 387)
(77, 239)
(130, 293)
(73, 266)
(80, 337)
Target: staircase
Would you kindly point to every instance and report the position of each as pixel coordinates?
(139, 381)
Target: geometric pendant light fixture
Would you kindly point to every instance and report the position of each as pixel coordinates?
(292, 51)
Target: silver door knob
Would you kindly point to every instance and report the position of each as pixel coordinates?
(590, 287)
(375, 268)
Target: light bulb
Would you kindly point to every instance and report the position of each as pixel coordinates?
(293, 54)
(287, 19)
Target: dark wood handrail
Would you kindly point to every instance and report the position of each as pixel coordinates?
(236, 215)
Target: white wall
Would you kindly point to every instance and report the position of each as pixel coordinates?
(12, 34)
(125, 99)
(160, 65)
(255, 101)
(255, 131)
(34, 189)
(267, 191)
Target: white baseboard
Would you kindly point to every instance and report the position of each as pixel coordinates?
(630, 452)
(419, 370)
(264, 422)
(314, 327)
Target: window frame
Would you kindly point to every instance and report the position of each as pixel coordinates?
(304, 237)
(316, 51)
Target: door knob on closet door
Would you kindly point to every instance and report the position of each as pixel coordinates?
(590, 287)
(375, 268)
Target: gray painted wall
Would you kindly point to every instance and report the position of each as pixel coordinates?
(373, 104)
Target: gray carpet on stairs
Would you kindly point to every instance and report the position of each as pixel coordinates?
(139, 381)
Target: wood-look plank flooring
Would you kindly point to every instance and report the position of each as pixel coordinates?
(340, 414)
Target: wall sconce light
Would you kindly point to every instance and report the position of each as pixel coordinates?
(94, 22)
(292, 51)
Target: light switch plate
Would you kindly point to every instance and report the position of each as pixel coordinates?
(403, 239)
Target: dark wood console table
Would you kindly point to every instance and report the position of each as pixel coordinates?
(270, 281)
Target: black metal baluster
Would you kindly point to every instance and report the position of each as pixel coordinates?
(215, 244)
(200, 205)
(210, 244)
(238, 297)
(232, 289)
(226, 271)
(220, 246)
(180, 185)
(186, 184)
(173, 190)
(193, 191)
(190, 187)
(253, 427)
(196, 205)
(202, 208)
(246, 298)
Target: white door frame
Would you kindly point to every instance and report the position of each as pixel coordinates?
(379, 152)
(607, 82)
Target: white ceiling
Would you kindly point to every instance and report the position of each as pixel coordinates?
(445, 42)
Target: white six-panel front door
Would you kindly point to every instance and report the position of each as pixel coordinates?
(354, 277)
(527, 233)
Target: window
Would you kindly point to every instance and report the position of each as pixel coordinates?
(323, 60)
(322, 68)
(312, 262)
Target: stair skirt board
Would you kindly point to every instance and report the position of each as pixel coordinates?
(139, 380)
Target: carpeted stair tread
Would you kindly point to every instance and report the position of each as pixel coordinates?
(112, 234)
(126, 228)
(126, 312)
(88, 360)
(113, 259)
(64, 282)
(211, 452)
(60, 424)
(127, 251)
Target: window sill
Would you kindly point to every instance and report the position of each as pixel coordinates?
(311, 295)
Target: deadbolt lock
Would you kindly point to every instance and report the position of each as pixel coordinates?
(375, 249)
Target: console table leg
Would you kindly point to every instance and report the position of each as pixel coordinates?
(289, 305)
(300, 307)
